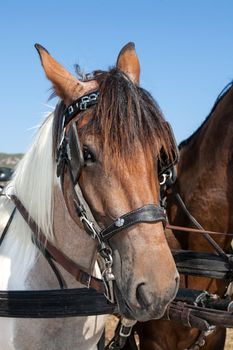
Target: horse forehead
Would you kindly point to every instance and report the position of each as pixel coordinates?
(133, 168)
(141, 160)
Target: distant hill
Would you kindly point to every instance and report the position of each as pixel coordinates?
(9, 160)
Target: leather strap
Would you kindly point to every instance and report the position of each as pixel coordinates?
(206, 235)
(54, 303)
(200, 309)
(203, 264)
(7, 226)
(80, 105)
(175, 311)
(185, 316)
(197, 230)
(199, 317)
(62, 259)
(147, 213)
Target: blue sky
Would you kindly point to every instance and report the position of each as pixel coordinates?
(185, 49)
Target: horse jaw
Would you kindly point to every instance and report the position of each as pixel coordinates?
(70, 237)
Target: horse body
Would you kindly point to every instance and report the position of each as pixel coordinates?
(116, 143)
(205, 184)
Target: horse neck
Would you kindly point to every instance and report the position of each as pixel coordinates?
(205, 174)
(208, 154)
(71, 238)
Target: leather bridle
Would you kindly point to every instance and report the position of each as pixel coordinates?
(70, 161)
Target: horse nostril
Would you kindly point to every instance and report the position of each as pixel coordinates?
(141, 296)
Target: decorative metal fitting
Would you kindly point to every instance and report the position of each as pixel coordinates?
(119, 222)
(89, 227)
(164, 177)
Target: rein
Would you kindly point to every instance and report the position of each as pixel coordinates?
(197, 230)
(169, 184)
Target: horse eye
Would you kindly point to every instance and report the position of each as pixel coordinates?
(88, 156)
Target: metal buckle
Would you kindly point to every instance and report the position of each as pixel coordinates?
(90, 226)
(107, 274)
(109, 290)
(125, 331)
(126, 326)
(165, 176)
(201, 299)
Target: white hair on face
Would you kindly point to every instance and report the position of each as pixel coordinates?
(33, 180)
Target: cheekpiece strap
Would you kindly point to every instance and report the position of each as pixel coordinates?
(81, 104)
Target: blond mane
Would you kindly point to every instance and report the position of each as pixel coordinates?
(34, 177)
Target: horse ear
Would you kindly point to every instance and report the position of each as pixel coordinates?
(66, 86)
(128, 62)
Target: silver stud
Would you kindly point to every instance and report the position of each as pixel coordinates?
(119, 222)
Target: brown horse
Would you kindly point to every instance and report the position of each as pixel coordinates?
(96, 154)
(205, 184)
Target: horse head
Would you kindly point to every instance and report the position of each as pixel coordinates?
(115, 147)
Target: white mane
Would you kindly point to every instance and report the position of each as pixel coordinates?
(33, 179)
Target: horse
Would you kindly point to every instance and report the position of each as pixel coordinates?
(89, 182)
(205, 184)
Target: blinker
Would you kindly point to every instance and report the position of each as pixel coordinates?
(69, 152)
(74, 152)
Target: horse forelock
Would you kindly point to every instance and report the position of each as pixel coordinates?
(33, 180)
(125, 118)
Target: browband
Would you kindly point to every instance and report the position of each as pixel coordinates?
(81, 104)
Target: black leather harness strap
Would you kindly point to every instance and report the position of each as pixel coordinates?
(54, 303)
(147, 213)
(80, 105)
